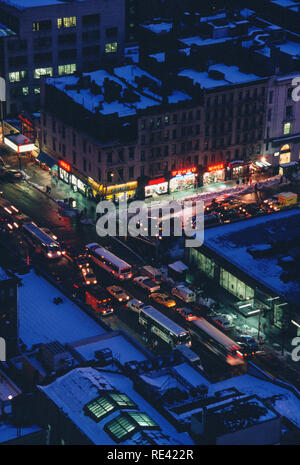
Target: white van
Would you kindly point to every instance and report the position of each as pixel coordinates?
(135, 305)
(152, 272)
(184, 293)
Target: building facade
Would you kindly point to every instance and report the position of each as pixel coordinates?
(282, 129)
(185, 139)
(56, 38)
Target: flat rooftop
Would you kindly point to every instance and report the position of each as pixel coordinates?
(123, 349)
(144, 91)
(229, 75)
(73, 391)
(231, 242)
(42, 321)
(25, 4)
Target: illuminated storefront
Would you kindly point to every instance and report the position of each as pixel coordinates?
(183, 179)
(120, 192)
(70, 176)
(156, 187)
(19, 143)
(214, 173)
(285, 154)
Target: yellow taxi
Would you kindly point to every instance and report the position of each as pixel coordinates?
(163, 299)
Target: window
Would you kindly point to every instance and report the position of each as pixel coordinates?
(17, 76)
(37, 90)
(126, 425)
(111, 47)
(287, 127)
(66, 22)
(25, 91)
(38, 72)
(142, 419)
(131, 153)
(271, 97)
(122, 400)
(99, 408)
(90, 20)
(232, 284)
(131, 172)
(66, 69)
(111, 32)
(289, 111)
(41, 25)
(203, 263)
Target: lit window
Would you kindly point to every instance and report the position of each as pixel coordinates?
(111, 47)
(25, 90)
(66, 22)
(287, 128)
(99, 408)
(17, 76)
(37, 90)
(143, 419)
(38, 72)
(67, 69)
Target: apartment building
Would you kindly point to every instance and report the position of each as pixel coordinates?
(282, 136)
(56, 38)
(124, 131)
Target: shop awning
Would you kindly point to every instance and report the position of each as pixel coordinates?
(47, 159)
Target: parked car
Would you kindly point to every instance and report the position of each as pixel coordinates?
(118, 293)
(223, 322)
(135, 305)
(147, 283)
(88, 276)
(186, 313)
(163, 299)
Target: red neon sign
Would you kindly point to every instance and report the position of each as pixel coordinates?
(25, 120)
(63, 164)
(218, 167)
(184, 171)
(152, 182)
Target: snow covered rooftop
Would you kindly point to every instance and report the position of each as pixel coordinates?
(73, 391)
(232, 242)
(25, 4)
(123, 349)
(231, 75)
(42, 321)
(197, 40)
(142, 86)
(159, 28)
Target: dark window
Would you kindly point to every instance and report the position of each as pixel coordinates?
(90, 20)
(111, 32)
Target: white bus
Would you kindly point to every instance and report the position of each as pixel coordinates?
(109, 262)
(216, 341)
(41, 241)
(162, 327)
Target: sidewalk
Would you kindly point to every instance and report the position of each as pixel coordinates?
(40, 179)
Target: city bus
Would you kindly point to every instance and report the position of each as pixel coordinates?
(216, 341)
(41, 241)
(159, 325)
(109, 262)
